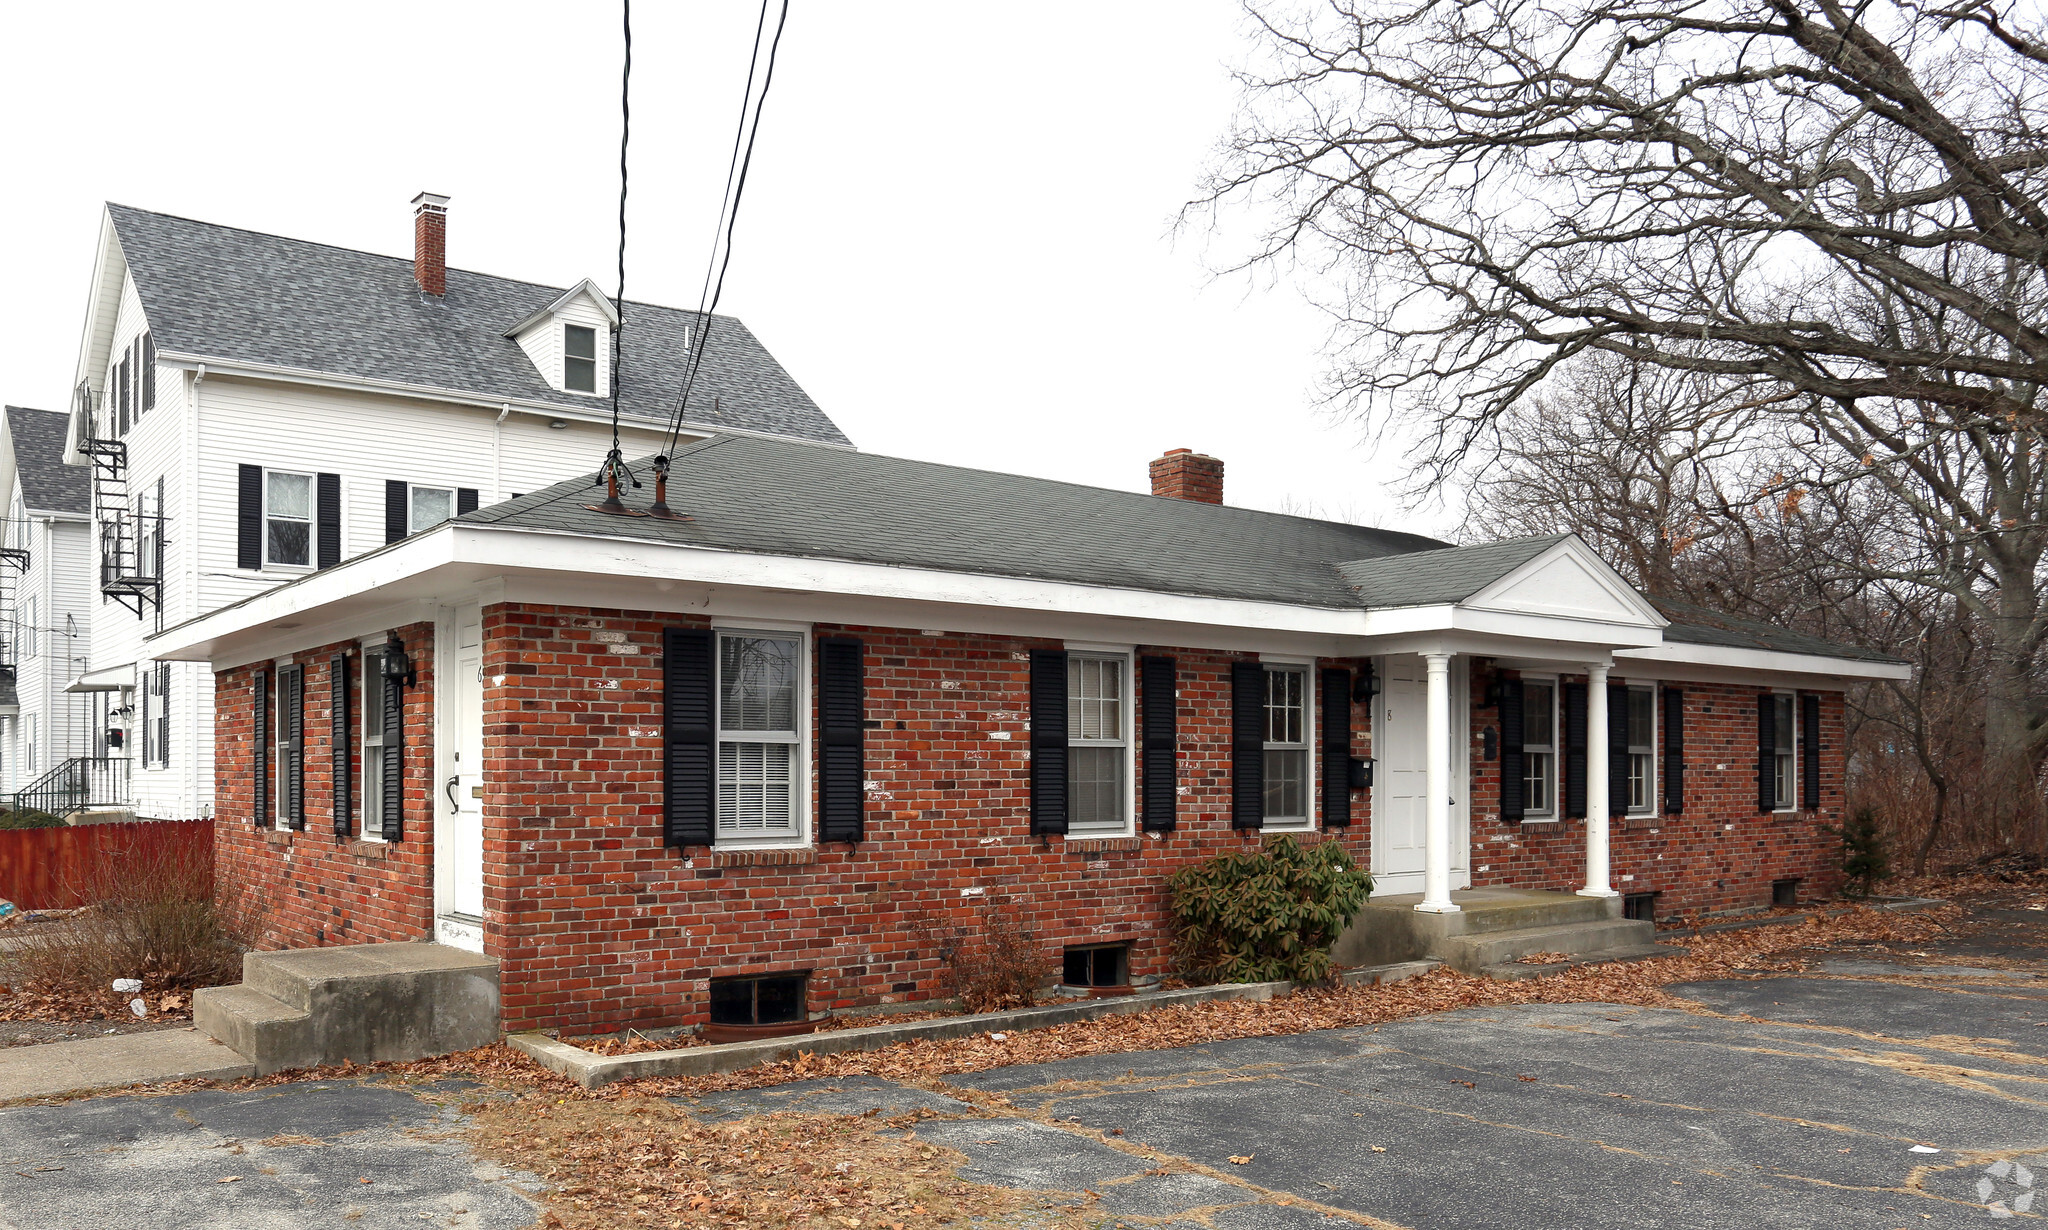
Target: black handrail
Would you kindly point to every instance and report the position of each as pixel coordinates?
(76, 784)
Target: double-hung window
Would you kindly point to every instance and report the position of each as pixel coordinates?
(287, 519)
(1288, 785)
(1642, 751)
(579, 358)
(372, 706)
(1098, 743)
(760, 706)
(428, 507)
(25, 632)
(1539, 747)
(1784, 736)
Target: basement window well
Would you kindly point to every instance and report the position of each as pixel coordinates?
(1640, 907)
(767, 999)
(1784, 893)
(1098, 966)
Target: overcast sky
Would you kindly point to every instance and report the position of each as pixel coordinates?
(958, 235)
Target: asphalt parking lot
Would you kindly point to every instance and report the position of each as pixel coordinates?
(1797, 1102)
(1863, 1094)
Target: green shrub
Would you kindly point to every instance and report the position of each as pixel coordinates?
(29, 818)
(1866, 858)
(1269, 914)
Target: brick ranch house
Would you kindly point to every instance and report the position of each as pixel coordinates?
(646, 762)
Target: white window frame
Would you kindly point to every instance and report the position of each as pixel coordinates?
(596, 359)
(29, 766)
(1306, 668)
(1650, 754)
(1785, 755)
(1121, 656)
(800, 774)
(25, 638)
(1549, 810)
(371, 721)
(412, 525)
(312, 511)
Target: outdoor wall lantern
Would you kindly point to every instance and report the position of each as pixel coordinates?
(398, 669)
(1364, 685)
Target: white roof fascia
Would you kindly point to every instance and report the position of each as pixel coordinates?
(585, 287)
(1612, 583)
(1718, 663)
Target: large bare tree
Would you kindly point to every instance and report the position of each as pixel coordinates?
(1836, 216)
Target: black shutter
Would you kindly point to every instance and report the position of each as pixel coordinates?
(327, 519)
(1617, 749)
(341, 744)
(1575, 750)
(1766, 754)
(1674, 752)
(1512, 763)
(1247, 745)
(1809, 752)
(1336, 748)
(249, 518)
(397, 510)
(1160, 766)
(291, 699)
(163, 711)
(465, 500)
(689, 780)
(148, 372)
(259, 758)
(392, 723)
(1048, 741)
(842, 713)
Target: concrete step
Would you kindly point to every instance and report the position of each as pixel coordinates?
(1390, 929)
(365, 1003)
(254, 1024)
(1516, 971)
(1475, 951)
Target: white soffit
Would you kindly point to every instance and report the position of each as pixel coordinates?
(1568, 581)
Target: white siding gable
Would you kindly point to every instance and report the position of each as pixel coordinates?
(540, 335)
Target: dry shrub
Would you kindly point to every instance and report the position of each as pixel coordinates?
(992, 961)
(154, 915)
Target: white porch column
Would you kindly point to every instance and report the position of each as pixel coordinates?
(1436, 818)
(1596, 784)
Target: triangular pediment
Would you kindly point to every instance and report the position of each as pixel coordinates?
(1568, 581)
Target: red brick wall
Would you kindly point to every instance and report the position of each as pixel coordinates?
(315, 887)
(1721, 852)
(599, 926)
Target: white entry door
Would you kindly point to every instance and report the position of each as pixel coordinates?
(1400, 750)
(460, 800)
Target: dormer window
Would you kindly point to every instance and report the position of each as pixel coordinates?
(579, 358)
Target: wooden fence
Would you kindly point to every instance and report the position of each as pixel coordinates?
(56, 868)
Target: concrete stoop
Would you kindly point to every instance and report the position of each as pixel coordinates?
(364, 1003)
(1494, 928)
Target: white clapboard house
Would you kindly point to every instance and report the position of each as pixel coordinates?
(252, 409)
(45, 602)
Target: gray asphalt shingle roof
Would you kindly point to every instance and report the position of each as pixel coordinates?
(782, 498)
(219, 292)
(1696, 625)
(1448, 575)
(47, 483)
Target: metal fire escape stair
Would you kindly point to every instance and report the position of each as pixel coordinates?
(125, 576)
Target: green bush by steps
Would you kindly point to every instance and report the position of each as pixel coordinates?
(1268, 914)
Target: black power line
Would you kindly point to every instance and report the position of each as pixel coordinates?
(729, 209)
(614, 461)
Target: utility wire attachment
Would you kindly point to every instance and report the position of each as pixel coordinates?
(660, 509)
(612, 506)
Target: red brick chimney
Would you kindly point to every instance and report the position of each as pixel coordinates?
(1184, 474)
(430, 242)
